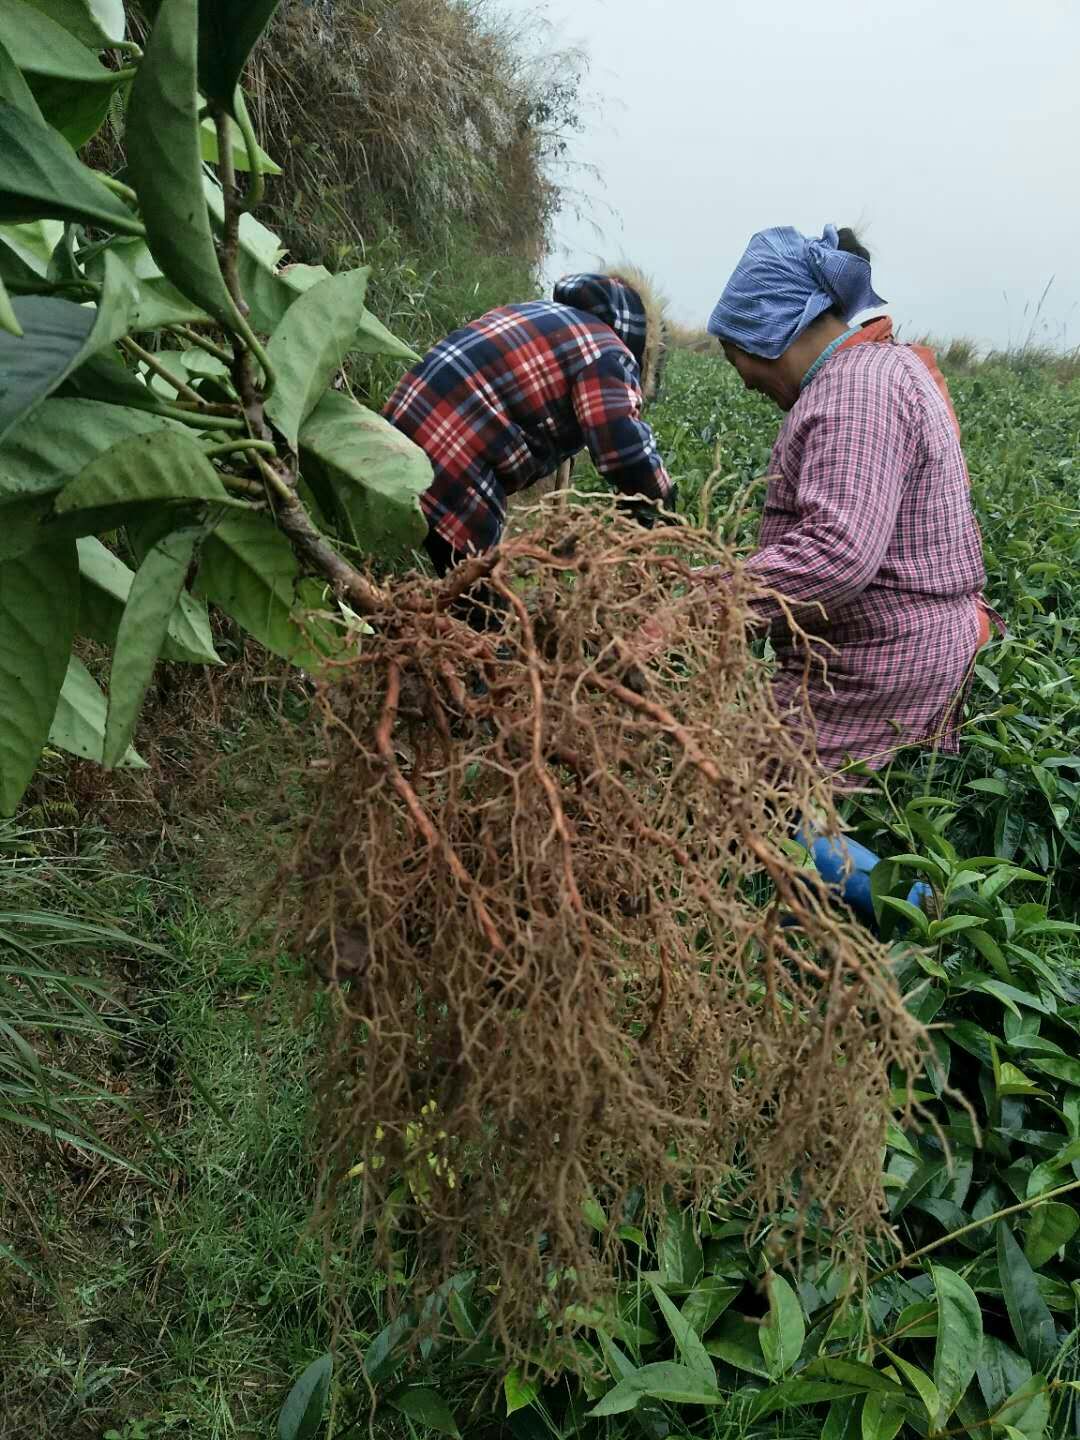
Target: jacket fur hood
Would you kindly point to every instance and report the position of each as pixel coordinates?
(626, 300)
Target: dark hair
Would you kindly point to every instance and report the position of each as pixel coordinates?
(847, 240)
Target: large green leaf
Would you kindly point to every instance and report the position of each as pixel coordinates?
(270, 292)
(737, 1341)
(32, 244)
(1032, 1322)
(959, 1338)
(9, 321)
(784, 1332)
(144, 469)
(39, 602)
(73, 107)
(42, 178)
(208, 143)
(94, 22)
(302, 1413)
(165, 161)
(310, 345)
(1027, 1411)
(13, 86)
(105, 588)
(79, 723)
(1050, 1228)
(375, 473)
(248, 568)
(687, 1341)
(228, 30)
(663, 1381)
(373, 338)
(154, 596)
(39, 456)
(57, 338)
(41, 46)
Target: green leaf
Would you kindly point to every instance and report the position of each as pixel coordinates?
(518, 1392)
(41, 46)
(228, 30)
(154, 596)
(426, 1406)
(13, 86)
(310, 345)
(784, 1333)
(687, 1341)
(373, 338)
(737, 1341)
(678, 1252)
(1061, 1068)
(1051, 1228)
(248, 568)
(843, 1421)
(799, 1393)
(1047, 1176)
(939, 929)
(143, 470)
(270, 292)
(165, 160)
(255, 239)
(1001, 1371)
(1027, 1410)
(1032, 1322)
(39, 601)
(707, 1302)
(93, 22)
(387, 1351)
(917, 917)
(882, 1419)
(58, 337)
(664, 1381)
(79, 723)
(43, 179)
(375, 473)
(32, 244)
(959, 1338)
(104, 591)
(302, 1413)
(208, 145)
(920, 1382)
(9, 321)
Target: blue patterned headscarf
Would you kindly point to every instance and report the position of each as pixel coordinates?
(785, 282)
(613, 302)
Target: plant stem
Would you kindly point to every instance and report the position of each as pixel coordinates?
(119, 188)
(257, 186)
(247, 343)
(230, 447)
(1032, 1204)
(194, 338)
(153, 363)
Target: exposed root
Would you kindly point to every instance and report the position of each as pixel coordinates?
(572, 978)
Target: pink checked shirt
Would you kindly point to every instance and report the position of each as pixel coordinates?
(869, 534)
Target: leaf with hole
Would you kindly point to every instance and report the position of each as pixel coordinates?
(39, 600)
(79, 723)
(302, 1414)
(374, 472)
(1031, 1320)
(959, 1338)
(310, 345)
(165, 161)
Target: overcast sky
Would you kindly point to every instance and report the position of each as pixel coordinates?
(948, 130)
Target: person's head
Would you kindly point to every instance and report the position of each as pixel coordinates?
(628, 302)
(789, 296)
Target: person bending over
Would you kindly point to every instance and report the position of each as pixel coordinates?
(503, 402)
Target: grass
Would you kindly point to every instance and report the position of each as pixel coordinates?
(182, 1296)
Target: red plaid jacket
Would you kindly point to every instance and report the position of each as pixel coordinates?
(503, 402)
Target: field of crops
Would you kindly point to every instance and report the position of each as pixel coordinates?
(166, 1286)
